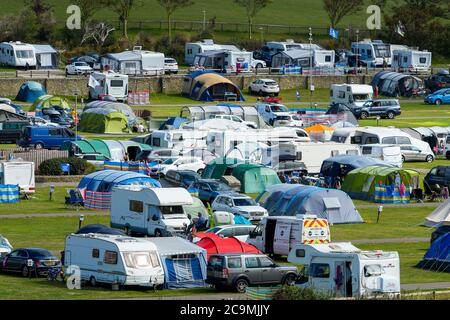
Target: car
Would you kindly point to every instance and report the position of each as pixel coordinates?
(46, 137)
(439, 175)
(239, 204)
(439, 97)
(438, 81)
(291, 120)
(17, 261)
(264, 87)
(182, 178)
(79, 68)
(204, 154)
(412, 153)
(239, 231)
(5, 246)
(91, 61)
(157, 155)
(249, 124)
(97, 159)
(385, 108)
(209, 189)
(170, 66)
(179, 163)
(241, 270)
(439, 232)
(38, 121)
(271, 111)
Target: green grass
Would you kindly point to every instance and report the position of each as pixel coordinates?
(426, 165)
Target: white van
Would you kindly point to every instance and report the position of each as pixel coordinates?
(340, 269)
(278, 235)
(108, 83)
(114, 259)
(411, 61)
(386, 152)
(20, 173)
(353, 95)
(150, 211)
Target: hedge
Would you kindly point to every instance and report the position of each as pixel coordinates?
(52, 167)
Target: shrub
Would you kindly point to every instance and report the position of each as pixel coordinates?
(52, 167)
(297, 293)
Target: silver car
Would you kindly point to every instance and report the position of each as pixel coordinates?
(412, 153)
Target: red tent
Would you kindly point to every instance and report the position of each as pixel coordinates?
(214, 244)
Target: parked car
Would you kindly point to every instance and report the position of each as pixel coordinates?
(250, 124)
(170, 66)
(239, 231)
(10, 131)
(412, 153)
(239, 204)
(239, 271)
(439, 97)
(438, 81)
(38, 121)
(97, 159)
(291, 120)
(93, 62)
(17, 261)
(209, 189)
(264, 87)
(437, 176)
(180, 163)
(439, 232)
(41, 137)
(201, 153)
(387, 108)
(157, 155)
(271, 111)
(182, 178)
(79, 68)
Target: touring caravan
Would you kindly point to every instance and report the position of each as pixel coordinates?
(194, 48)
(135, 62)
(225, 61)
(411, 61)
(114, 259)
(341, 269)
(20, 173)
(353, 95)
(108, 83)
(178, 139)
(150, 211)
(302, 58)
(17, 54)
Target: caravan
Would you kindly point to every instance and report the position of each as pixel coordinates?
(18, 173)
(136, 62)
(177, 139)
(194, 48)
(375, 53)
(227, 61)
(114, 259)
(17, 54)
(108, 83)
(411, 61)
(352, 95)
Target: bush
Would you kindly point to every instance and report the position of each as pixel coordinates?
(52, 167)
(297, 293)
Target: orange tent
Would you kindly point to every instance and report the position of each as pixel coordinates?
(318, 128)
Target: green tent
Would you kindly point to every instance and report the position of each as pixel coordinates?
(255, 178)
(103, 121)
(47, 101)
(381, 184)
(217, 168)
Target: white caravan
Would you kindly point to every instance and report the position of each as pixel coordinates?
(353, 95)
(375, 53)
(411, 61)
(178, 139)
(389, 153)
(114, 259)
(278, 235)
(150, 211)
(343, 135)
(17, 54)
(194, 48)
(340, 269)
(228, 61)
(289, 44)
(20, 173)
(108, 83)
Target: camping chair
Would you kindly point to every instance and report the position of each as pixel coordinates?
(74, 199)
(417, 194)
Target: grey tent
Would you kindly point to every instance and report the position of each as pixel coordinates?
(46, 56)
(292, 200)
(394, 84)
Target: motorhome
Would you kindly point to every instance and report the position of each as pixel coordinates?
(150, 211)
(177, 139)
(353, 95)
(194, 48)
(278, 235)
(18, 173)
(227, 61)
(17, 54)
(411, 61)
(114, 259)
(386, 152)
(108, 83)
(341, 269)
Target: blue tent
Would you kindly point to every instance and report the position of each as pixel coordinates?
(173, 123)
(103, 181)
(30, 91)
(184, 263)
(438, 255)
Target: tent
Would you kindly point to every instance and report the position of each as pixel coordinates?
(48, 101)
(395, 84)
(216, 124)
(99, 228)
(381, 184)
(292, 200)
(210, 86)
(344, 111)
(219, 167)
(320, 132)
(213, 244)
(103, 181)
(172, 123)
(46, 56)
(184, 263)
(440, 216)
(99, 120)
(115, 106)
(438, 255)
(30, 91)
(255, 178)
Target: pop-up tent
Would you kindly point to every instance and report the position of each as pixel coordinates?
(440, 216)
(255, 178)
(438, 255)
(382, 184)
(103, 181)
(184, 263)
(292, 200)
(30, 91)
(48, 101)
(99, 120)
(214, 244)
(219, 167)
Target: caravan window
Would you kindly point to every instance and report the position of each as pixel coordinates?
(372, 270)
(116, 83)
(156, 142)
(95, 253)
(327, 58)
(319, 270)
(110, 257)
(423, 60)
(140, 260)
(403, 140)
(388, 140)
(136, 206)
(24, 54)
(372, 140)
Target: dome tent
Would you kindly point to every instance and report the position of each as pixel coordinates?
(116, 106)
(213, 244)
(255, 178)
(98, 120)
(394, 84)
(219, 167)
(30, 91)
(48, 101)
(438, 255)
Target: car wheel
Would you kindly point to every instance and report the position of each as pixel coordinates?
(403, 159)
(241, 285)
(364, 115)
(200, 171)
(260, 93)
(158, 233)
(271, 121)
(39, 146)
(259, 65)
(92, 281)
(127, 231)
(429, 158)
(391, 115)
(25, 271)
(438, 102)
(289, 280)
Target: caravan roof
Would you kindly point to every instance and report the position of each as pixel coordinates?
(161, 196)
(123, 243)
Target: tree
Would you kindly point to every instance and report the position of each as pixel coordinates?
(123, 9)
(88, 9)
(98, 32)
(252, 7)
(45, 21)
(171, 6)
(338, 9)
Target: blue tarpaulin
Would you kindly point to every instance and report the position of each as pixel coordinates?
(9, 193)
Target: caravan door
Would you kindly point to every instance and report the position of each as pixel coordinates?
(339, 278)
(282, 238)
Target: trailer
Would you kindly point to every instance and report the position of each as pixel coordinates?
(20, 173)
(194, 48)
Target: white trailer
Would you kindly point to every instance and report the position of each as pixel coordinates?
(114, 259)
(150, 211)
(278, 235)
(17, 54)
(20, 173)
(108, 83)
(194, 48)
(353, 95)
(341, 269)
(411, 61)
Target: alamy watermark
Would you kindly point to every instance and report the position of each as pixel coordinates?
(374, 20)
(74, 279)
(73, 22)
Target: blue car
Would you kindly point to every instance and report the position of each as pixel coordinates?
(46, 137)
(439, 97)
(208, 189)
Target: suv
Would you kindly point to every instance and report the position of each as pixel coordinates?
(438, 81)
(209, 189)
(437, 176)
(389, 108)
(239, 204)
(239, 271)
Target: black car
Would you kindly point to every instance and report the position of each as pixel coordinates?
(182, 178)
(438, 176)
(18, 261)
(438, 81)
(10, 131)
(387, 108)
(439, 232)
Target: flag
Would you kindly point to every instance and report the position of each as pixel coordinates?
(334, 33)
(400, 29)
(93, 82)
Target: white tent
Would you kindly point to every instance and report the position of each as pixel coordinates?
(440, 216)
(216, 124)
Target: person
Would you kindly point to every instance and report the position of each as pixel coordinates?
(201, 222)
(126, 158)
(190, 227)
(298, 95)
(140, 128)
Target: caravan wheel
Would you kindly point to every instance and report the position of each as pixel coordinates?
(92, 282)
(158, 233)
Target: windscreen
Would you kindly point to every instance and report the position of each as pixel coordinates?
(141, 260)
(168, 210)
(244, 202)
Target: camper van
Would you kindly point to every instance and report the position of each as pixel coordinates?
(178, 139)
(411, 61)
(150, 211)
(108, 83)
(278, 235)
(353, 95)
(341, 269)
(20, 173)
(389, 153)
(17, 54)
(194, 48)
(114, 259)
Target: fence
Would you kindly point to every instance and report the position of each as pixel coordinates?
(36, 156)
